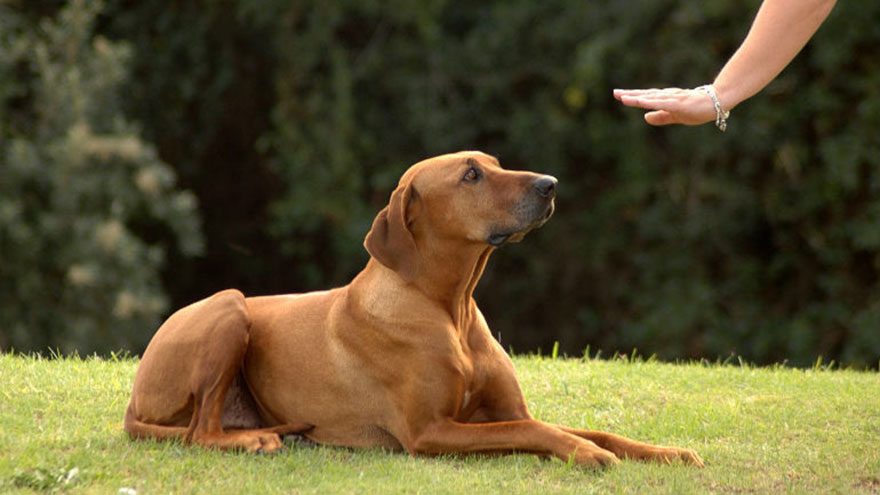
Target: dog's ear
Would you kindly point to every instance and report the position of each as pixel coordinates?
(390, 241)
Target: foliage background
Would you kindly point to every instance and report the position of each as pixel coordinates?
(80, 193)
(291, 121)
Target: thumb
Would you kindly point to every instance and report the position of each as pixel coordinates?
(660, 117)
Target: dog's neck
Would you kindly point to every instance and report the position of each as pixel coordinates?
(446, 277)
(453, 288)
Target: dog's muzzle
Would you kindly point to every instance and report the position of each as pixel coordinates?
(532, 211)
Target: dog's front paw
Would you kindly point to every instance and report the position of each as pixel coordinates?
(671, 455)
(594, 457)
(262, 443)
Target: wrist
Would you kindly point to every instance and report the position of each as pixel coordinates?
(721, 113)
(726, 95)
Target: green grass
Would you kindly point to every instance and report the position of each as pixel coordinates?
(760, 430)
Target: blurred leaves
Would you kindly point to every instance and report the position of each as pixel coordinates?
(85, 204)
(291, 122)
(679, 241)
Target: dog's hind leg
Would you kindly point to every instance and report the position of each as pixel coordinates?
(185, 374)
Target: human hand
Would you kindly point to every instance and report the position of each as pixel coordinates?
(670, 105)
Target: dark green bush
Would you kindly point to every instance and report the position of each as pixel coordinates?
(293, 120)
(85, 204)
(680, 241)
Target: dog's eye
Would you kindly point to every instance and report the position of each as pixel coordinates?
(473, 174)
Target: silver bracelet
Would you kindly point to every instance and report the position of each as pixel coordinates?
(720, 115)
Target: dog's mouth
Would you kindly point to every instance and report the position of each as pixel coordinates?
(501, 237)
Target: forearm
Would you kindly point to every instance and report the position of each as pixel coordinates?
(780, 30)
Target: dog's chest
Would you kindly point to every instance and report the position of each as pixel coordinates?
(476, 372)
(466, 399)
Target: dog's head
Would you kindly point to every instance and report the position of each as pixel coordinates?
(454, 200)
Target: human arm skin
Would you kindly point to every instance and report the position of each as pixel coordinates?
(779, 32)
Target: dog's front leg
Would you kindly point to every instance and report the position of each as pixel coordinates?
(625, 448)
(526, 435)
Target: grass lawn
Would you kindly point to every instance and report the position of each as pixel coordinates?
(760, 430)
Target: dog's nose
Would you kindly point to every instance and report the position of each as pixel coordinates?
(546, 186)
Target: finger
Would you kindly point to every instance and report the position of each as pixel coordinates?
(652, 103)
(632, 101)
(618, 93)
(660, 117)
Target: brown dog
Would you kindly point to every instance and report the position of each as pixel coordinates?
(400, 358)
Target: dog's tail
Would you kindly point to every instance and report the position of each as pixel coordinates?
(137, 429)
